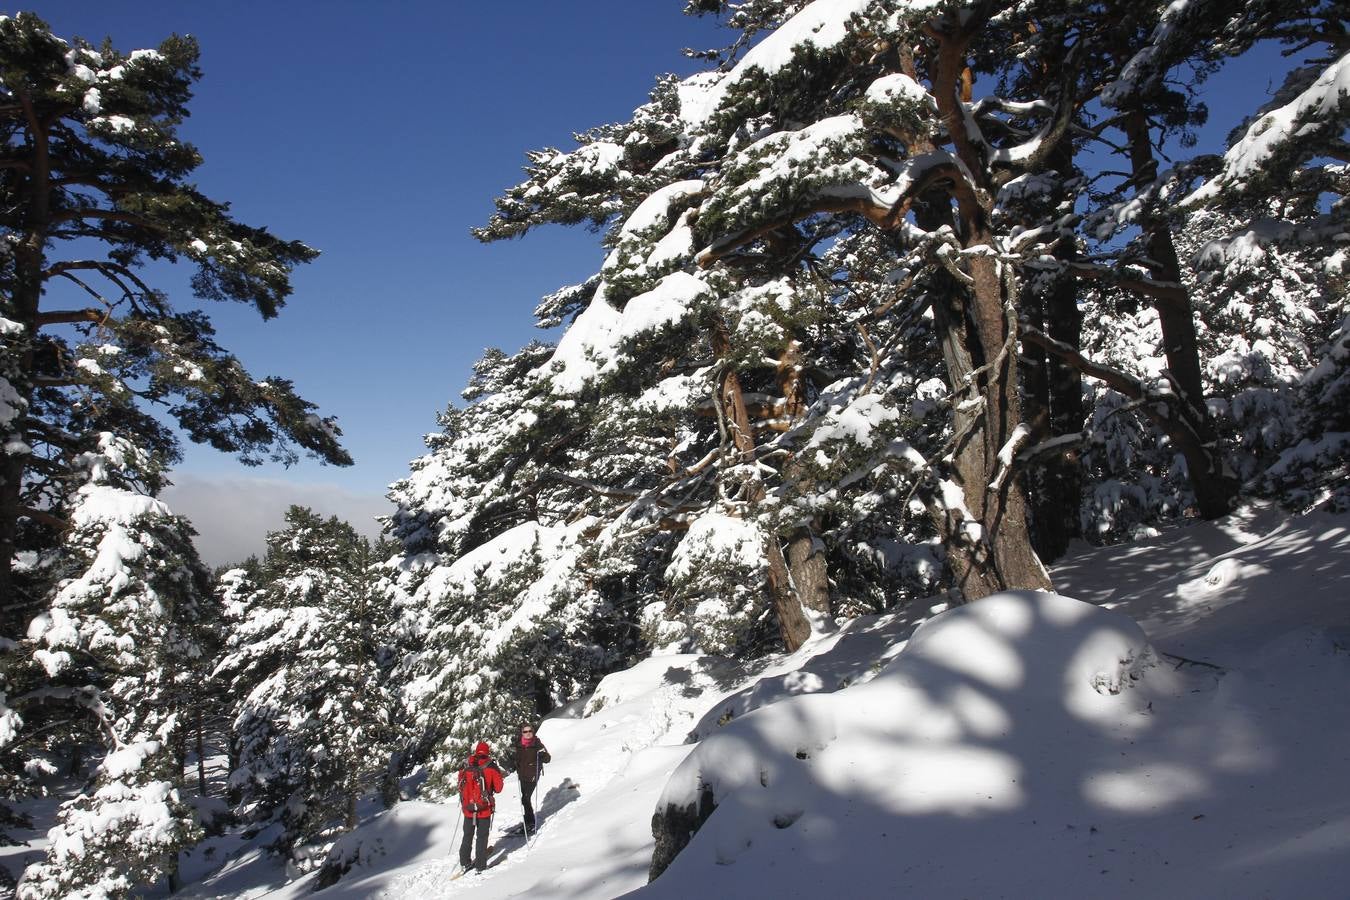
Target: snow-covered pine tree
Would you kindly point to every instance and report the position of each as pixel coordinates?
(1269, 306)
(757, 353)
(1131, 235)
(1274, 212)
(95, 182)
(508, 633)
(713, 380)
(842, 127)
(305, 664)
(121, 641)
(1215, 347)
(621, 376)
(236, 589)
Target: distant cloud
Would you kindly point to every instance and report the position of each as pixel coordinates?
(233, 515)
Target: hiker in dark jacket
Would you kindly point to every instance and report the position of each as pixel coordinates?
(478, 820)
(531, 754)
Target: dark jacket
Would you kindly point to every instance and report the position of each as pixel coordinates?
(530, 760)
(492, 780)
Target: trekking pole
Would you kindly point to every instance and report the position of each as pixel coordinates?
(455, 833)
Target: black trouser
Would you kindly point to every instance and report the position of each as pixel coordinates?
(482, 826)
(526, 792)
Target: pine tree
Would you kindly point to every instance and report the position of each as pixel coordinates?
(95, 185)
(304, 661)
(795, 139)
(1274, 210)
(509, 634)
(121, 640)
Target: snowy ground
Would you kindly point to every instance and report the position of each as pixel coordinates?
(1028, 746)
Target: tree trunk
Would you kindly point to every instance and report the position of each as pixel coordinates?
(390, 793)
(1054, 392)
(1060, 496)
(1001, 556)
(810, 576)
(11, 480)
(996, 498)
(201, 757)
(349, 820)
(793, 626)
(29, 255)
(1214, 488)
(805, 551)
(28, 263)
(989, 547)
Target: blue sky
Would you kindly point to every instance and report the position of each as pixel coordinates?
(380, 134)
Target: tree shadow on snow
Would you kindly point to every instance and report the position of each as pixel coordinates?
(995, 788)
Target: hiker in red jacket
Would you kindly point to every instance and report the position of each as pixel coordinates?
(479, 782)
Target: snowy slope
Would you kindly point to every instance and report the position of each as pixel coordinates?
(1027, 746)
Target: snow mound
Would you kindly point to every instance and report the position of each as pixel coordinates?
(950, 726)
(850, 656)
(688, 673)
(413, 832)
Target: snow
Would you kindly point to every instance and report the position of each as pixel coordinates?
(584, 347)
(855, 422)
(664, 304)
(118, 124)
(715, 535)
(492, 561)
(653, 211)
(819, 26)
(595, 160)
(590, 346)
(1143, 65)
(1177, 730)
(675, 246)
(114, 506)
(10, 403)
(898, 86)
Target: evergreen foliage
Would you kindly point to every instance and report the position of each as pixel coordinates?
(121, 641)
(899, 299)
(876, 316)
(95, 185)
(304, 664)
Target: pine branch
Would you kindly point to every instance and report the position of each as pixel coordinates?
(71, 316)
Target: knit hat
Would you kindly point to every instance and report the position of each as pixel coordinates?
(482, 749)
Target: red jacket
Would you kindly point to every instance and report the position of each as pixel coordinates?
(492, 781)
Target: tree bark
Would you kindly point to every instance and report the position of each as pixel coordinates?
(1006, 558)
(806, 561)
(981, 353)
(201, 757)
(1214, 488)
(810, 574)
(29, 263)
(793, 626)
(1054, 392)
(1057, 515)
(349, 819)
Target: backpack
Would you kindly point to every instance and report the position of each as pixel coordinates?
(474, 796)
